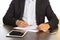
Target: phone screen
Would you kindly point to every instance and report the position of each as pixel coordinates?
(16, 33)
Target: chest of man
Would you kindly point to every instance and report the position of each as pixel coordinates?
(40, 9)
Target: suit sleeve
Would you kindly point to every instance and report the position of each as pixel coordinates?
(9, 19)
(52, 18)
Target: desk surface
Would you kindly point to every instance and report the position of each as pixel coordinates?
(29, 36)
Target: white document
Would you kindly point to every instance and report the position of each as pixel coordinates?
(28, 28)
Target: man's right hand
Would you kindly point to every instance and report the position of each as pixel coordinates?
(21, 23)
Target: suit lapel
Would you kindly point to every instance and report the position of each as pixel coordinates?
(38, 4)
(22, 5)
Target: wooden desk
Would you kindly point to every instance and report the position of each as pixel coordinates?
(29, 36)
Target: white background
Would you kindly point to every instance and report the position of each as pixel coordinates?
(4, 4)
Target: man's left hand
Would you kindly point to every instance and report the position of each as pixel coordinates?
(44, 27)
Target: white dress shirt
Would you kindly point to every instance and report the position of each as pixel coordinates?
(29, 12)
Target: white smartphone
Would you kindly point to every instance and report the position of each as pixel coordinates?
(16, 33)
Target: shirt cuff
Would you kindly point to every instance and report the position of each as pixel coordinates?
(17, 21)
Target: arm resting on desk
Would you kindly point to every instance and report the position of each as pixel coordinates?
(9, 19)
(53, 21)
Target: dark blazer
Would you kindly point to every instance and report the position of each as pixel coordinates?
(43, 9)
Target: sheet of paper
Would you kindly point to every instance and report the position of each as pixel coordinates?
(32, 30)
(29, 28)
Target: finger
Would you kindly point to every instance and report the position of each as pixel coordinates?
(45, 30)
(38, 28)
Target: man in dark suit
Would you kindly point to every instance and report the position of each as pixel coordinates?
(41, 8)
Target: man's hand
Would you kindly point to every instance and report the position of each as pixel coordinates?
(44, 27)
(21, 23)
